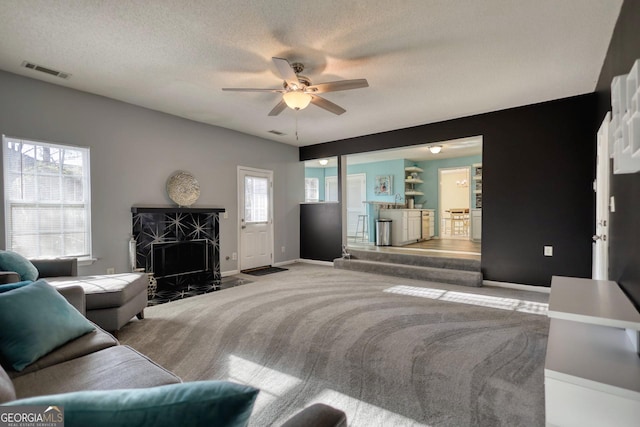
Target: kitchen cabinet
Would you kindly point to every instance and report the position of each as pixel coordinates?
(476, 224)
(405, 226)
(428, 224)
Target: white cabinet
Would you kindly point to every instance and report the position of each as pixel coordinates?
(428, 223)
(405, 226)
(476, 224)
(592, 368)
(414, 230)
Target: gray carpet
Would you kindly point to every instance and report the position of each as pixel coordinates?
(399, 358)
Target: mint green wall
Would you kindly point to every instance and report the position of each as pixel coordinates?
(317, 173)
(394, 168)
(430, 178)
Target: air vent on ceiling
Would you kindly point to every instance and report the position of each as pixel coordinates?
(276, 132)
(46, 70)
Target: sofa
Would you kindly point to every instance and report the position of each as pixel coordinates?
(112, 300)
(100, 382)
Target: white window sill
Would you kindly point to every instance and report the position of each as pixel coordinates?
(86, 261)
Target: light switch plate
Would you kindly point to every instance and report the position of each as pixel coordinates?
(548, 251)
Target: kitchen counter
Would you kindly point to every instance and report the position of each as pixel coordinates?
(407, 224)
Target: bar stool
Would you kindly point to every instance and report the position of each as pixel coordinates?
(365, 227)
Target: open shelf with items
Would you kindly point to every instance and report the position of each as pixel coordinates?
(476, 176)
(412, 179)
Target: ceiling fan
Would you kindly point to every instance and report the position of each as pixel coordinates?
(298, 92)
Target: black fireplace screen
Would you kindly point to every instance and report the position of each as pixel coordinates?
(182, 257)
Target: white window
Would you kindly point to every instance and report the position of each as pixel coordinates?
(47, 199)
(311, 190)
(256, 199)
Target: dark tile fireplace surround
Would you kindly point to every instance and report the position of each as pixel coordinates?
(180, 247)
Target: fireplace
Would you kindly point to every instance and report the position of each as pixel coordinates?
(170, 259)
(180, 247)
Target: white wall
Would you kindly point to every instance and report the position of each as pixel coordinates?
(133, 152)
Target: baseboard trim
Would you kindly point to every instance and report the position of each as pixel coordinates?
(541, 289)
(315, 262)
(229, 273)
(281, 263)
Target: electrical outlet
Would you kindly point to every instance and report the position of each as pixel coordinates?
(234, 256)
(111, 270)
(282, 249)
(548, 251)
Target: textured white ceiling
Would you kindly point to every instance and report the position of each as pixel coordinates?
(425, 60)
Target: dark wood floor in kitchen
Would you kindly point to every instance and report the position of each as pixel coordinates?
(456, 248)
(447, 245)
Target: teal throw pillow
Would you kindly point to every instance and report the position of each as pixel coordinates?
(12, 286)
(36, 319)
(193, 404)
(13, 261)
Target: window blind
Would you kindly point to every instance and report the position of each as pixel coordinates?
(47, 199)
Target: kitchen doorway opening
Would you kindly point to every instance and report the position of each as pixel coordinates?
(412, 181)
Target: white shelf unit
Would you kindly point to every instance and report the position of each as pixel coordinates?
(476, 177)
(592, 368)
(410, 190)
(624, 128)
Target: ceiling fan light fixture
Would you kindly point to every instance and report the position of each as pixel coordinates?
(435, 149)
(296, 99)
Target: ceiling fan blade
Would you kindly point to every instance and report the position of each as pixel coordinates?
(327, 105)
(339, 85)
(286, 72)
(248, 89)
(279, 108)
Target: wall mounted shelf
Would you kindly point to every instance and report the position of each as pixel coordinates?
(624, 127)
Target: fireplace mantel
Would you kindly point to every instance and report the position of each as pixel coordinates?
(175, 209)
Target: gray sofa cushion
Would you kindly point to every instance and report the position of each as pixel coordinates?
(106, 291)
(318, 415)
(7, 392)
(93, 341)
(109, 369)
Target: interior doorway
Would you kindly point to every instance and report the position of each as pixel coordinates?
(455, 200)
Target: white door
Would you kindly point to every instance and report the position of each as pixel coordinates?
(255, 210)
(331, 189)
(356, 195)
(601, 187)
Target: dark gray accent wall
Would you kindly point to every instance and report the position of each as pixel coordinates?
(320, 231)
(624, 230)
(133, 152)
(538, 171)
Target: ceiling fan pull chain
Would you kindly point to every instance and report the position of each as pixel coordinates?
(296, 116)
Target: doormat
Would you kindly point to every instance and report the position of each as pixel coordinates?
(262, 271)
